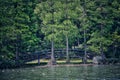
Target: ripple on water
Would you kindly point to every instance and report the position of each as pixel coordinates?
(63, 73)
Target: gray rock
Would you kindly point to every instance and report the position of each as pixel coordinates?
(97, 60)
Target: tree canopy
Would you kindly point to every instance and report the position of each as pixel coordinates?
(30, 25)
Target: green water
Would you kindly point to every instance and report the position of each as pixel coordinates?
(96, 72)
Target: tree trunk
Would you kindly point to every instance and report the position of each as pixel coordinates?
(114, 51)
(16, 54)
(38, 59)
(85, 46)
(53, 62)
(67, 50)
(101, 50)
(78, 42)
(101, 46)
(84, 22)
(17, 50)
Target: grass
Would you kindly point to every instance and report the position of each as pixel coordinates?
(44, 62)
(63, 61)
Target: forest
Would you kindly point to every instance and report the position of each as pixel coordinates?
(27, 26)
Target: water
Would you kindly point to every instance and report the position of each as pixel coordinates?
(96, 72)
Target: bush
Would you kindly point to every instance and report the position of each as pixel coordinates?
(10, 64)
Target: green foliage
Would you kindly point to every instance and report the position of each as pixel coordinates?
(27, 26)
(18, 28)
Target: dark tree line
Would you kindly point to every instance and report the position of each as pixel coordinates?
(33, 25)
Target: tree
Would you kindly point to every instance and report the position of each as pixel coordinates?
(67, 24)
(47, 13)
(57, 23)
(102, 21)
(25, 24)
(84, 23)
(19, 28)
(6, 29)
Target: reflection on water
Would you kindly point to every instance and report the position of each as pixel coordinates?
(96, 72)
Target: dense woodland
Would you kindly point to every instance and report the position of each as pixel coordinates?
(27, 26)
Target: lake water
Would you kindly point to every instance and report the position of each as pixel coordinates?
(93, 72)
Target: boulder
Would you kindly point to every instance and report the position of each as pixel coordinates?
(97, 60)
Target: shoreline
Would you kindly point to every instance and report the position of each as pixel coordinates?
(66, 65)
(71, 65)
(61, 65)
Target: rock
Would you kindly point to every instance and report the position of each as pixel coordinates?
(97, 60)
